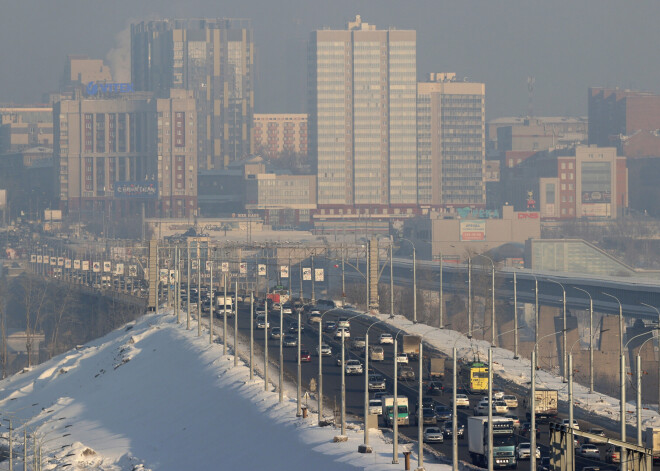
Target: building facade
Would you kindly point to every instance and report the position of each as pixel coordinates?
(215, 59)
(82, 70)
(129, 137)
(362, 116)
(25, 126)
(451, 142)
(276, 135)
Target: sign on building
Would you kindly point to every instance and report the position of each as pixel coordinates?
(261, 270)
(85, 265)
(473, 230)
(284, 271)
(318, 274)
(136, 189)
(307, 274)
(107, 267)
(243, 268)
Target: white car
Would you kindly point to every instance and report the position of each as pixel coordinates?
(354, 367)
(498, 394)
(326, 351)
(345, 331)
(402, 358)
(386, 338)
(376, 406)
(511, 401)
(500, 407)
(343, 322)
(433, 435)
(524, 451)
(462, 401)
(567, 422)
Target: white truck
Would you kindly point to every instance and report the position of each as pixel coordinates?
(437, 368)
(652, 438)
(223, 304)
(411, 346)
(504, 442)
(545, 404)
(403, 415)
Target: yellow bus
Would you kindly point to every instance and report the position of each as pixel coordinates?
(476, 376)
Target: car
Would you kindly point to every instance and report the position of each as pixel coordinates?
(261, 323)
(314, 318)
(376, 406)
(377, 382)
(290, 341)
(433, 435)
(443, 412)
(428, 416)
(406, 373)
(511, 401)
(448, 430)
(376, 353)
(277, 307)
(566, 423)
(434, 388)
(293, 328)
(314, 312)
(597, 431)
(385, 339)
(516, 420)
(527, 427)
(342, 331)
(325, 351)
(612, 455)
(500, 407)
(462, 401)
(498, 394)
(380, 394)
(305, 356)
(330, 326)
(481, 408)
(354, 367)
(588, 451)
(402, 358)
(428, 402)
(344, 322)
(524, 451)
(544, 464)
(275, 333)
(287, 308)
(591, 468)
(359, 343)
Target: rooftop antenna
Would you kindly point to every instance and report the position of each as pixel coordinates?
(530, 96)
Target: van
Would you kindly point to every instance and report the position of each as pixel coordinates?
(376, 353)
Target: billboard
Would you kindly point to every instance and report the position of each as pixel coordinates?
(261, 270)
(136, 190)
(473, 230)
(85, 265)
(243, 268)
(76, 264)
(284, 271)
(318, 274)
(307, 274)
(601, 210)
(132, 270)
(33, 258)
(67, 263)
(96, 267)
(107, 267)
(225, 267)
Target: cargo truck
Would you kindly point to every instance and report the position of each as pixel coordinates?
(504, 442)
(411, 346)
(403, 415)
(223, 304)
(437, 368)
(545, 405)
(653, 442)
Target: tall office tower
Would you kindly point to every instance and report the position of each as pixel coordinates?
(451, 142)
(363, 128)
(215, 59)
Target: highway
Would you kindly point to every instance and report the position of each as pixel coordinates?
(355, 383)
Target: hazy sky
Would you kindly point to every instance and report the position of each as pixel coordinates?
(567, 45)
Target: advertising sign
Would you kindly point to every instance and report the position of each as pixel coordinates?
(53, 261)
(528, 215)
(96, 267)
(119, 269)
(76, 264)
(307, 274)
(318, 274)
(473, 230)
(132, 270)
(194, 264)
(596, 209)
(173, 276)
(60, 261)
(209, 265)
(225, 267)
(40, 259)
(163, 275)
(261, 270)
(3, 199)
(107, 267)
(243, 268)
(597, 196)
(136, 190)
(67, 263)
(284, 271)
(33, 258)
(95, 88)
(85, 265)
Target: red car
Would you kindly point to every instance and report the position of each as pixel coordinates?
(305, 356)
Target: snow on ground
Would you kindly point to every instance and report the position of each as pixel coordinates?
(154, 396)
(518, 371)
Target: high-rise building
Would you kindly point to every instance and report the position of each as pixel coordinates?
(276, 135)
(82, 70)
(451, 142)
(215, 59)
(129, 137)
(362, 116)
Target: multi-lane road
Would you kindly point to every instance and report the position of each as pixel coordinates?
(355, 383)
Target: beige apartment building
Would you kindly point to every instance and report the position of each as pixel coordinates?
(451, 142)
(279, 134)
(127, 137)
(82, 69)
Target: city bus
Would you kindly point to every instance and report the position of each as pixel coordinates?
(476, 376)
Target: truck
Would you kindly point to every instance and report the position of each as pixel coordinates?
(223, 304)
(504, 442)
(437, 368)
(411, 346)
(403, 415)
(652, 438)
(545, 405)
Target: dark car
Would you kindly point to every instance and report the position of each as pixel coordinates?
(434, 388)
(294, 328)
(428, 416)
(447, 429)
(526, 427)
(290, 341)
(443, 412)
(330, 326)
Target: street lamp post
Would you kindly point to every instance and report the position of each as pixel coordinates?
(391, 281)
(367, 449)
(414, 279)
(299, 378)
(281, 386)
(591, 338)
(224, 316)
(234, 307)
(469, 335)
(564, 328)
(515, 316)
(639, 391)
(492, 287)
(251, 335)
(440, 296)
(266, 343)
(658, 312)
(320, 382)
(395, 411)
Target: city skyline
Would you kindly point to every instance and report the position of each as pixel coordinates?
(566, 46)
